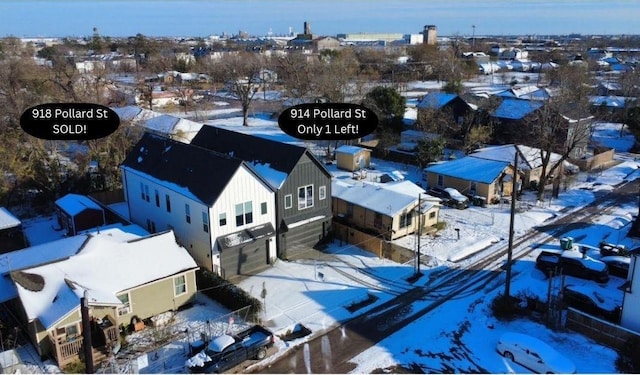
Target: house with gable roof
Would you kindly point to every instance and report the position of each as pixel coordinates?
(452, 106)
(121, 285)
(489, 179)
(529, 160)
(301, 183)
(390, 210)
(220, 208)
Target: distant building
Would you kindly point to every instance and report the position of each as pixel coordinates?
(430, 34)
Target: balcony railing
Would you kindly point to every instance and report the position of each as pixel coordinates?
(69, 350)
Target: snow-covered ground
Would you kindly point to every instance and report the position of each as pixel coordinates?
(317, 293)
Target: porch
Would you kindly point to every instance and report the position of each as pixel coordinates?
(104, 336)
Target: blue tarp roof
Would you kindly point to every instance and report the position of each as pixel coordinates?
(471, 169)
(516, 109)
(436, 100)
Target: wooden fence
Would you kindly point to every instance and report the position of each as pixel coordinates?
(601, 331)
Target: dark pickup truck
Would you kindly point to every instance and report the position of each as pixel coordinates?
(573, 263)
(227, 351)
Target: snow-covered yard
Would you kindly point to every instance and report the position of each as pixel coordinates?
(317, 293)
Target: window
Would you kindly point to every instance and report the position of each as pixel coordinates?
(168, 202)
(180, 285)
(126, 308)
(377, 220)
(349, 210)
(205, 221)
(263, 208)
(244, 213)
(305, 197)
(72, 330)
(322, 192)
(151, 226)
(440, 180)
(288, 201)
(239, 215)
(248, 212)
(146, 193)
(142, 191)
(405, 219)
(187, 212)
(157, 198)
(432, 215)
(223, 219)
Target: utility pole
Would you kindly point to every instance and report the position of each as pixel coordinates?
(514, 194)
(86, 333)
(419, 234)
(473, 38)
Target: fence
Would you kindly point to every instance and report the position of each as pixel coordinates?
(361, 239)
(162, 349)
(601, 331)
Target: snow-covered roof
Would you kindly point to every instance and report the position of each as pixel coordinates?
(470, 169)
(109, 262)
(34, 256)
(516, 109)
(7, 220)
(350, 150)
(529, 157)
(134, 113)
(74, 204)
(167, 124)
(274, 177)
(386, 200)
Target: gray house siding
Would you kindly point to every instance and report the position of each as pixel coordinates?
(294, 239)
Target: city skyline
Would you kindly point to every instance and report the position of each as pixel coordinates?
(202, 18)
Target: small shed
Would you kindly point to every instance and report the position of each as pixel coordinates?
(11, 235)
(78, 212)
(353, 158)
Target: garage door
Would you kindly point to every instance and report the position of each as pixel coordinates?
(245, 252)
(299, 240)
(245, 259)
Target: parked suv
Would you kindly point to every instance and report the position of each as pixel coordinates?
(573, 263)
(450, 197)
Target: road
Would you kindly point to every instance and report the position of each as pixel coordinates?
(330, 353)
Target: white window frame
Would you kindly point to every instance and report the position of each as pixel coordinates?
(322, 193)
(222, 216)
(126, 309)
(175, 285)
(289, 198)
(303, 202)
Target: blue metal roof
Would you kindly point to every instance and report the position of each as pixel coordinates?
(436, 100)
(471, 169)
(516, 109)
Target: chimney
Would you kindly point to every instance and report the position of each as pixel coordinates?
(307, 28)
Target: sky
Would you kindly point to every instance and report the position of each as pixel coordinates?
(202, 18)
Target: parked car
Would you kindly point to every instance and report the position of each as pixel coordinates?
(593, 300)
(226, 351)
(533, 354)
(450, 197)
(608, 249)
(572, 263)
(618, 265)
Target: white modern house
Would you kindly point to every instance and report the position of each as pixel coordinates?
(219, 208)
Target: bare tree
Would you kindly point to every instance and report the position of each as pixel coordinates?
(241, 74)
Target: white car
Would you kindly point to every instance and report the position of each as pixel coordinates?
(533, 354)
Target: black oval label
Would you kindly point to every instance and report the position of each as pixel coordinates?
(328, 121)
(69, 121)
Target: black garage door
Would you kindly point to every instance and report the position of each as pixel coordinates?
(245, 252)
(297, 241)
